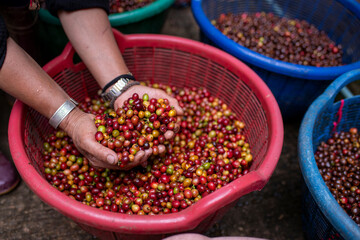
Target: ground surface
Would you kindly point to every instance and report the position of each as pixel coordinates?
(273, 213)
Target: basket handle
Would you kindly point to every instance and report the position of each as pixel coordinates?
(68, 54)
(338, 84)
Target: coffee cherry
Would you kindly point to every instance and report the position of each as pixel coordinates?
(338, 163)
(207, 153)
(134, 128)
(290, 40)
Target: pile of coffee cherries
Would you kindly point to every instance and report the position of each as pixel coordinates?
(290, 40)
(339, 165)
(119, 6)
(139, 125)
(209, 151)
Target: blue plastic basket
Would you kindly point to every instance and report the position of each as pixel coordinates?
(323, 217)
(294, 86)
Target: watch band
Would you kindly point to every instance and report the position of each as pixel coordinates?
(123, 83)
(118, 86)
(117, 94)
(62, 112)
(112, 82)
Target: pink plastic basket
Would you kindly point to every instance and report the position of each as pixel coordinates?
(169, 60)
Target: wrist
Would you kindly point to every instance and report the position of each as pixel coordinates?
(69, 121)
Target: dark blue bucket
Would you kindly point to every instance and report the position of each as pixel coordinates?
(323, 218)
(294, 86)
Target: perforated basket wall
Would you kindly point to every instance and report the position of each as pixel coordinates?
(315, 224)
(322, 216)
(294, 86)
(173, 61)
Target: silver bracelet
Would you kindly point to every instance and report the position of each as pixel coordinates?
(62, 112)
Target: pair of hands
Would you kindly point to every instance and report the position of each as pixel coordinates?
(81, 128)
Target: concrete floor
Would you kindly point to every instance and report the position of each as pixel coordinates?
(273, 213)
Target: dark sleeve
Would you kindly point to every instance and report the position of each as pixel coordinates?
(4, 34)
(14, 3)
(71, 5)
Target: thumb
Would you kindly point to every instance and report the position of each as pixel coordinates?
(102, 153)
(175, 103)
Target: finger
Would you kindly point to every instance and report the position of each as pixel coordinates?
(134, 163)
(144, 164)
(138, 159)
(176, 128)
(99, 164)
(161, 149)
(139, 156)
(173, 102)
(169, 134)
(102, 153)
(147, 154)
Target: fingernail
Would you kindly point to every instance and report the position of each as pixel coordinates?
(111, 159)
(176, 129)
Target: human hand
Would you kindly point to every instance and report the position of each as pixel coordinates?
(81, 128)
(142, 156)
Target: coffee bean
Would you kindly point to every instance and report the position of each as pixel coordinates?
(119, 6)
(341, 171)
(289, 40)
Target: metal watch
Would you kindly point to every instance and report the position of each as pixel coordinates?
(119, 87)
(127, 86)
(116, 90)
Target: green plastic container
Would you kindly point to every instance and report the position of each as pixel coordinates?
(148, 19)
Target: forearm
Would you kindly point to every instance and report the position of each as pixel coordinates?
(23, 78)
(90, 33)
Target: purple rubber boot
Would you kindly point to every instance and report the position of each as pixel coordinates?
(9, 178)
